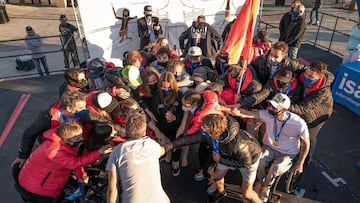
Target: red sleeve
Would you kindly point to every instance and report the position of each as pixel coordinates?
(113, 93)
(72, 161)
(80, 172)
(196, 124)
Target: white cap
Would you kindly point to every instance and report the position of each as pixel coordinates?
(106, 102)
(280, 101)
(195, 51)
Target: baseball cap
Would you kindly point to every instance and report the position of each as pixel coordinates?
(62, 16)
(201, 16)
(148, 8)
(132, 73)
(200, 74)
(284, 75)
(96, 68)
(28, 28)
(195, 51)
(280, 101)
(106, 102)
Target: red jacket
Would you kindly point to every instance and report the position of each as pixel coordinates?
(209, 107)
(46, 171)
(55, 112)
(258, 48)
(228, 94)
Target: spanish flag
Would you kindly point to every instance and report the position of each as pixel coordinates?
(240, 38)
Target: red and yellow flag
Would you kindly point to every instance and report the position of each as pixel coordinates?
(240, 38)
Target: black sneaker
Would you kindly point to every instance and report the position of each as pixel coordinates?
(216, 197)
(175, 169)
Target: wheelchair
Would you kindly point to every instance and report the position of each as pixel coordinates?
(93, 192)
(290, 181)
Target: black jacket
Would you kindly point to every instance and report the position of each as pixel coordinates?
(144, 31)
(284, 22)
(295, 31)
(317, 3)
(160, 108)
(254, 85)
(231, 144)
(269, 91)
(225, 33)
(317, 106)
(262, 66)
(202, 35)
(43, 123)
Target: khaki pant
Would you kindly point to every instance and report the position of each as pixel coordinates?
(280, 163)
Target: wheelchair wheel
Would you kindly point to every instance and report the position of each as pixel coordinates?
(273, 190)
(95, 190)
(292, 180)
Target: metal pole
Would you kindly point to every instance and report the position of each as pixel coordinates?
(259, 15)
(332, 36)
(80, 34)
(317, 34)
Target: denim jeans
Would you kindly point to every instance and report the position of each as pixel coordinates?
(316, 13)
(293, 52)
(44, 63)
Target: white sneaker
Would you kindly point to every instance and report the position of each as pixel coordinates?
(264, 193)
(175, 168)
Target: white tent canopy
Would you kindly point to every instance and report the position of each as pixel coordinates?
(101, 28)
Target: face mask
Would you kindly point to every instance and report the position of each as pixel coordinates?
(273, 113)
(192, 110)
(153, 87)
(186, 108)
(82, 83)
(296, 14)
(163, 64)
(177, 77)
(308, 81)
(77, 144)
(81, 113)
(281, 84)
(195, 65)
(201, 86)
(223, 59)
(234, 73)
(274, 61)
(166, 92)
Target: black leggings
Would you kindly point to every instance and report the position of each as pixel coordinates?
(313, 133)
(205, 158)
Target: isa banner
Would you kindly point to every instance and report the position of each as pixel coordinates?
(358, 4)
(346, 86)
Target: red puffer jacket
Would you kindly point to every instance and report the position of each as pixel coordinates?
(46, 171)
(211, 101)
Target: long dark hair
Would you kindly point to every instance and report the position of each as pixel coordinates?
(174, 95)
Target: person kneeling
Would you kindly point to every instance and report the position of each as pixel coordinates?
(46, 172)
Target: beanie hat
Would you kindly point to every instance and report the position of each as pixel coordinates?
(105, 102)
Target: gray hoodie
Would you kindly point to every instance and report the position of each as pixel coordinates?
(34, 44)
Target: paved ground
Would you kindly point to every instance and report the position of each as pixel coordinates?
(45, 21)
(337, 152)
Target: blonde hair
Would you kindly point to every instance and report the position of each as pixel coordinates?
(135, 126)
(69, 130)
